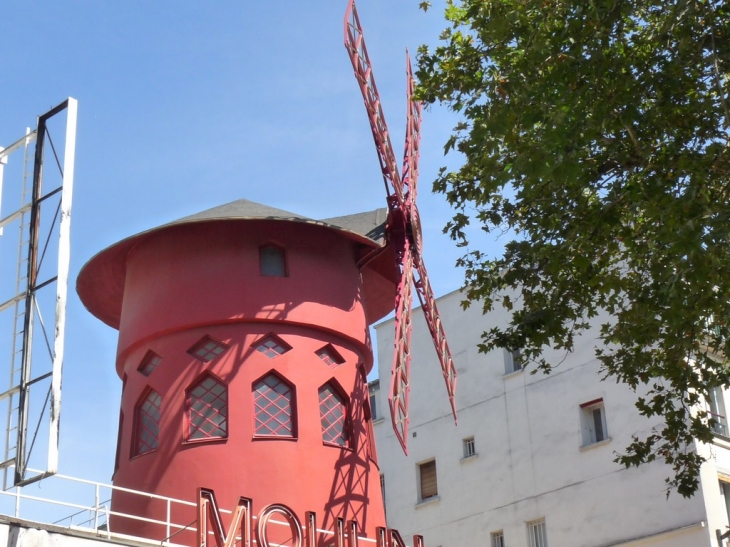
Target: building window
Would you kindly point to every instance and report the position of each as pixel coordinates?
(207, 349)
(333, 415)
(147, 423)
(725, 491)
(329, 355)
(273, 407)
(513, 361)
(382, 489)
(428, 487)
(497, 539)
(149, 363)
(272, 261)
(536, 533)
(207, 410)
(469, 447)
(374, 389)
(593, 418)
(717, 414)
(272, 346)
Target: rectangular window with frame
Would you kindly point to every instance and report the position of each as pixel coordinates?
(716, 411)
(469, 447)
(428, 486)
(725, 491)
(373, 391)
(497, 539)
(382, 490)
(593, 422)
(513, 361)
(537, 533)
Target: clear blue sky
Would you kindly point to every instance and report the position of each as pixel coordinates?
(187, 105)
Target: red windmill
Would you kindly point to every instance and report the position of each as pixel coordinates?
(403, 229)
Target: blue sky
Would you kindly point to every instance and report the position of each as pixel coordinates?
(187, 105)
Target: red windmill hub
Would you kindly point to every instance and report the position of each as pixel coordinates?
(403, 229)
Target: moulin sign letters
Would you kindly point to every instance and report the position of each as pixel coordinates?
(241, 527)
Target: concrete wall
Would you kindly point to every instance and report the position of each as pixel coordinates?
(531, 461)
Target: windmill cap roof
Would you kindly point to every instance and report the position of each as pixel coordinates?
(100, 283)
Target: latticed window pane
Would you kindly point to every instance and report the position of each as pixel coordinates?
(147, 423)
(149, 363)
(333, 412)
(273, 407)
(271, 346)
(329, 355)
(208, 403)
(207, 349)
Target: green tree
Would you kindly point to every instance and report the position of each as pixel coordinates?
(595, 134)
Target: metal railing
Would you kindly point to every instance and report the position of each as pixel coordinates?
(67, 502)
(63, 505)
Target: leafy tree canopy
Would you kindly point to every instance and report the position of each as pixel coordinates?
(595, 133)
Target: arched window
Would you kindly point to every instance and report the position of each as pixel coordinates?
(333, 413)
(274, 407)
(207, 409)
(272, 261)
(147, 423)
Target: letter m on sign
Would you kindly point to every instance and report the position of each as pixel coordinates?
(208, 513)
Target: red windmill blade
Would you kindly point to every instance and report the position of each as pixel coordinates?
(403, 230)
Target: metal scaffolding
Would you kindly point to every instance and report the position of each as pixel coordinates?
(41, 222)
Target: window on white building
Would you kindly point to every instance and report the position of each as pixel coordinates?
(593, 418)
(382, 490)
(513, 361)
(497, 539)
(725, 491)
(427, 485)
(716, 403)
(374, 389)
(469, 447)
(537, 533)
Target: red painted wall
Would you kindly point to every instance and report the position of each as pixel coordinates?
(202, 279)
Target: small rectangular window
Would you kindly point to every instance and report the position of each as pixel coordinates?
(469, 447)
(513, 361)
(593, 417)
(382, 488)
(374, 389)
(716, 411)
(725, 491)
(427, 480)
(537, 533)
(497, 539)
(272, 261)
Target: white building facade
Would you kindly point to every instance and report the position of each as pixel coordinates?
(530, 463)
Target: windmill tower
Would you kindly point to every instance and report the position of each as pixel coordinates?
(244, 347)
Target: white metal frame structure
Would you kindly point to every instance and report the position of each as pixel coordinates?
(34, 387)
